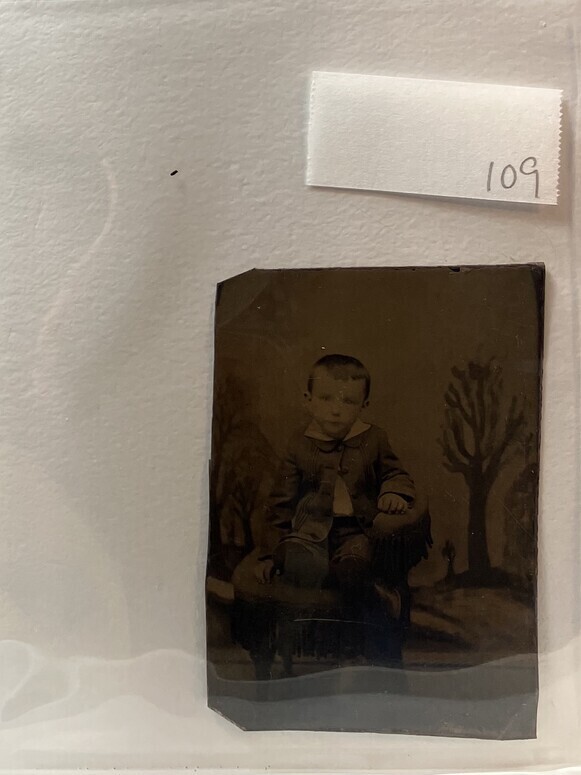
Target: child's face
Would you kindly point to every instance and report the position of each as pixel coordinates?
(336, 403)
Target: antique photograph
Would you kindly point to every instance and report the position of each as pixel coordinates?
(372, 560)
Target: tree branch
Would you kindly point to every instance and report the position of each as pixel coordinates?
(480, 402)
(472, 418)
(474, 401)
(464, 380)
(459, 468)
(489, 440)
(455, 426)
(515, 421)
(453, 463)
(454, 401)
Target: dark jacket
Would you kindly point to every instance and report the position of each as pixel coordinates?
(301, 502)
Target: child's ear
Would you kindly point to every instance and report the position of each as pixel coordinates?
(366, 403)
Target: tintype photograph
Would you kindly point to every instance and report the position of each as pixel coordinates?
(372, 559)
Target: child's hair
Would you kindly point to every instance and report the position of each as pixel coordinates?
(341, 367)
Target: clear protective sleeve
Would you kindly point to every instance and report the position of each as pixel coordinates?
(150, 150)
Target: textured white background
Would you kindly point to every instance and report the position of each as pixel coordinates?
(108, 274)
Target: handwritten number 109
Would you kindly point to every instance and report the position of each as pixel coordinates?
(509, 175)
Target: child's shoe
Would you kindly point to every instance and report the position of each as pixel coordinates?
(391, 600)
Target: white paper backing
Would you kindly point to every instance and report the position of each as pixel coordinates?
(109, 266)
(435, 138)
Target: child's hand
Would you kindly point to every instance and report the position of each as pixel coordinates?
(263, 571)
(390, 503)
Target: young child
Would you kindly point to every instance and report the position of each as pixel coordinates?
(335, 478)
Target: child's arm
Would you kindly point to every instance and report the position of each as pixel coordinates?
(397, 491)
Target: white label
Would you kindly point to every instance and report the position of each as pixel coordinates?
(436, 138)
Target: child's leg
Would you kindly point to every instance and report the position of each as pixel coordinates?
(304, 564)
(351, 560)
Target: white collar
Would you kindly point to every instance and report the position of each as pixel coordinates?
(314, 432)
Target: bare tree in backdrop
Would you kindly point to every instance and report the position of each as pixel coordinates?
(479, 430)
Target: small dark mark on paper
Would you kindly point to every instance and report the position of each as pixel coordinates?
(175, 172)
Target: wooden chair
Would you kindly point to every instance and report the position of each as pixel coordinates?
(278, 618)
